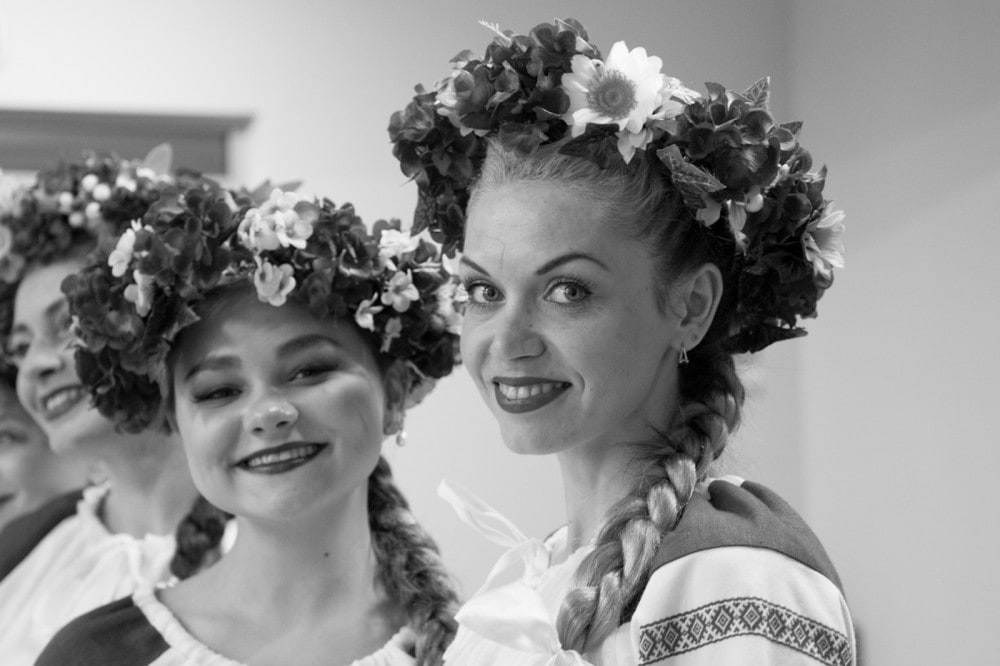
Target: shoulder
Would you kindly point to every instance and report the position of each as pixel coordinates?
(742, 578)
(117, 633)
(22, 534)
(742, 513)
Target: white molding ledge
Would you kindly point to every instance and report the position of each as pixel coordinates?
(33, 139)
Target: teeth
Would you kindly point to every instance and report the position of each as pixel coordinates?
(281, 456)
(61, 398)
(524, 392)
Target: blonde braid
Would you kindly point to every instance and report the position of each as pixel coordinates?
(611, 579)
(410, 567)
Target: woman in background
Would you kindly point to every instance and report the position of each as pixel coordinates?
(624, 237)
(283, 342)
(67, 559)
(30, 474)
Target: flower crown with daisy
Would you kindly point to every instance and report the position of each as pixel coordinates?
(75, 204)
(130, 303)
(725, 155)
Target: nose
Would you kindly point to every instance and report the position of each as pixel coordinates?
(44, 358)
(517, 333)
(270, 416)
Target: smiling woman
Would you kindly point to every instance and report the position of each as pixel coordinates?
(284, 342)
(78, 552)
(30, 473)
(623, 238)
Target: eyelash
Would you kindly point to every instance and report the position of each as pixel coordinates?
(470, 286)
(311, 370)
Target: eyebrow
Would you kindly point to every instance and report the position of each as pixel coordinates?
(225, 362)
(548, 266)
(308, 340)
(229, 361)
(49, 312)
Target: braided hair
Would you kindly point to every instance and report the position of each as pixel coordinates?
(198, 538)
(410, 568)
(610, 580)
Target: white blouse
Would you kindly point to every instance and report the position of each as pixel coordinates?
(722, 605)
(185, 650)
(77, 567)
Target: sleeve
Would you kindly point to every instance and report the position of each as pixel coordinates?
(741, 605)
(117, 633)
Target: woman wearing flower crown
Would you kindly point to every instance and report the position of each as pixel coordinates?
(623, 238)
(83, 550)
(30, 473)
(283, 341)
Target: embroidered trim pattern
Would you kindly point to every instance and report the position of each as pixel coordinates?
(742, 616)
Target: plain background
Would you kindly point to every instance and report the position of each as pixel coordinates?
(879, 426)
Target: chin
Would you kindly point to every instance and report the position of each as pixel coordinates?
(532, 444)
(82, 432)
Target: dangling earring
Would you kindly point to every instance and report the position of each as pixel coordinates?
(682, 358)
(396, 419)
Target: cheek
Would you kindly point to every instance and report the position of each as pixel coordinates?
(354, 407)
(24, 466)
(474, 344)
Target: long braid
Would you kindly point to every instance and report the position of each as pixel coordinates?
(610, 580)
(410, 567)
(198, 537)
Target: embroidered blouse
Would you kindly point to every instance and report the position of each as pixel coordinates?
(140, 630)
(75, 568)
(740, 580)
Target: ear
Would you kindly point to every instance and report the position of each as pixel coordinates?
(396, 383)
(699, 297)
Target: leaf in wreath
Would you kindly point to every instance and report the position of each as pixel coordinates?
(715, 91)
(757, 94)
(160, 159)
(522, 138)
(462, 58)
(793, 127)
(598, 144)
(692, 182)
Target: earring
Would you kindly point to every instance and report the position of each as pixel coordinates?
(401, 438)
(682, 358)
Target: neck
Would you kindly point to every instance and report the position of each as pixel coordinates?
(305, 567)
(599, 473)
(151, 487)
(593, 481)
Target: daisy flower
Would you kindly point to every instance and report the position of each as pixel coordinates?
(623, 90)
(823, 244)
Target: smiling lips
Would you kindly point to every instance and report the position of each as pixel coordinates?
(60, 401)
(525, 394)
(278, 459)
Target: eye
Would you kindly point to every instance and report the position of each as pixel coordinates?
(567, 292)
(63, 320)
(215, 394)
(9, 437)
(483, 292)
(313, 371)
(16, 349)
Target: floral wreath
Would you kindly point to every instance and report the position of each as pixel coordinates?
(129, 304)
(85, 201)
(724, 153)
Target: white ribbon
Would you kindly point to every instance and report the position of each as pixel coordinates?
(508, 609)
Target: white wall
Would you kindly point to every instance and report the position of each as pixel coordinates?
(321, 79)
(902, 99)
(875, 425)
